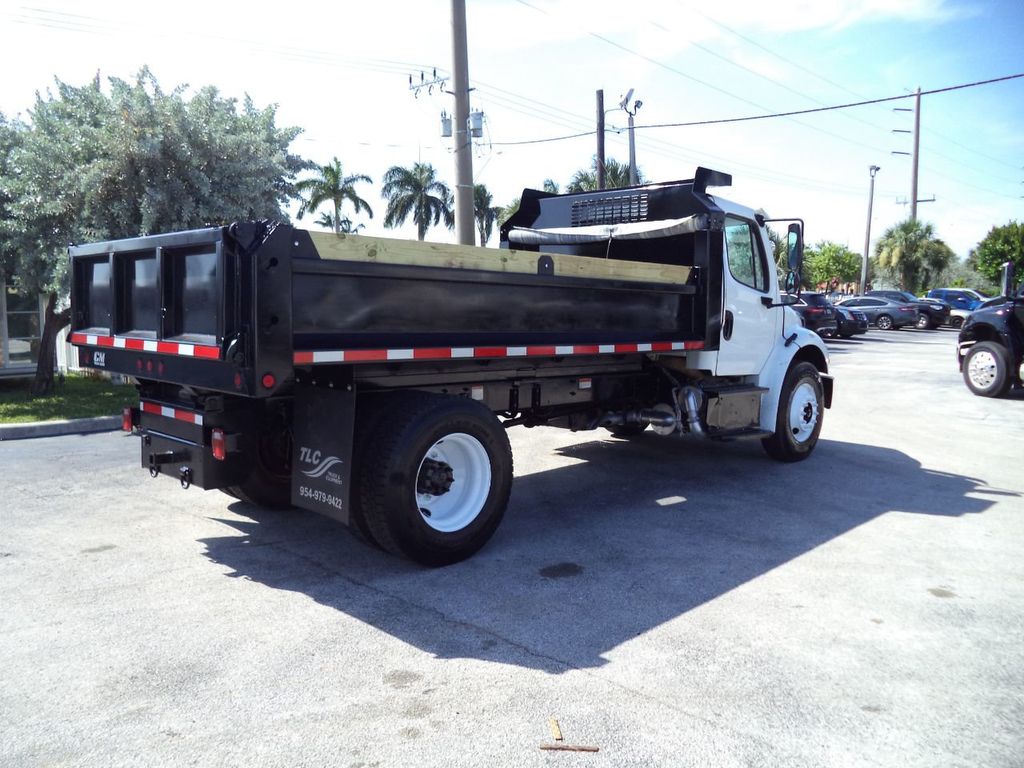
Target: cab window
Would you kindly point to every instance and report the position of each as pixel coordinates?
(744, 254)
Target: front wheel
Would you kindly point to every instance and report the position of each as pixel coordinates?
(923, 323)
(884, 322)
(986, 372)
(956, 322)
(798, 422)
(434, 482)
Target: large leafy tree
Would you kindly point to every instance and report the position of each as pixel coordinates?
(484, 211)
(417, 193)
(1001, 244)
(331, 186)
(616, 175)
(131, 159)
(828, 261)
(912, 253)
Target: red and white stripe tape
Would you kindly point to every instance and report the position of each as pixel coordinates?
(180, 414)
(480, 353)
(147, 345)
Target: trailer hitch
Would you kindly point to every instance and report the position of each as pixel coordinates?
(156, 460)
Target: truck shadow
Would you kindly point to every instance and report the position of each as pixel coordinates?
(620, 539)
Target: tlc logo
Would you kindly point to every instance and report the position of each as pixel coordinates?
(306, 455)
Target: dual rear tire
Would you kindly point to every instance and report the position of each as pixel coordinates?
(431, 477)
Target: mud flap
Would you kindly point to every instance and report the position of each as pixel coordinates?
(322, 450)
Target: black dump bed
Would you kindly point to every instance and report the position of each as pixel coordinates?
(236, 309)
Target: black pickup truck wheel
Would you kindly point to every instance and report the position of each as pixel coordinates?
(434, 481)
(986, 372)
(798, 422)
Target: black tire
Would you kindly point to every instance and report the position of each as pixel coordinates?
(923, 323)
(884, 323)
(627, 430)
(269, 483)
(956, 322)
(986, 369)
(845, 335)
(471, 459)
(370, 410)
(798, 422)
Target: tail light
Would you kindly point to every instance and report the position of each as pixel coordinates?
(218, 445)
(126, 419)
(814, 310)
(907, 309)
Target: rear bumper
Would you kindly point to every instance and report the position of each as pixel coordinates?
(177, 442)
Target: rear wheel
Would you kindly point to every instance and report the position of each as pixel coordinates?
(434, 483)
(884, 322)
(986, 371)
(269, 483)
(798, 422)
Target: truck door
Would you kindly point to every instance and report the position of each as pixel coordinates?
(749, 328)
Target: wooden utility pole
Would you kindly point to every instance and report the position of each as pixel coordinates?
(600, 139)
(463, 142)
(914, 160)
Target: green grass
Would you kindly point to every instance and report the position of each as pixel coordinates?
(78, 397)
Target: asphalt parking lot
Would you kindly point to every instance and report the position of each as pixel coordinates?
(673, 603)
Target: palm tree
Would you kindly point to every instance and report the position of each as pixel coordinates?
(484, 211)
(416, 192)
(343, 227)
(616, 175)
(912, 252)
(331, 185)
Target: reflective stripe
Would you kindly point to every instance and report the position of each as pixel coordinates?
(307, 357)
(147, 345)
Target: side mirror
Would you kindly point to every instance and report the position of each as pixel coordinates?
(1008, 280)
(795, 248)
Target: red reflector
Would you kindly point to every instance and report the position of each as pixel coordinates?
(269, 381)
(126, 419)
(220, 450)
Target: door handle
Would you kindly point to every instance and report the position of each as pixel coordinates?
(727, 326)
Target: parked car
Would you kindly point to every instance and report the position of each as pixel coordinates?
(957, 317)
(931, 312)
(883, 314)
(817, 313)
(958, 298)
(850, 321)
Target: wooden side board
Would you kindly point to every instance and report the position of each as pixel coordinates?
(382, 250)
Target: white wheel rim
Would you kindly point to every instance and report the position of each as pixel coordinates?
(803, 412)
(982, 369)
(458, 506)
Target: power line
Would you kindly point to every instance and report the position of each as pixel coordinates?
(791, 113)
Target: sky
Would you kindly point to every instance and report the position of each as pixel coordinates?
(341, 70)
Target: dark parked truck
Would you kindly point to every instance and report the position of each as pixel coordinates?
(372, 379)
(990, 349)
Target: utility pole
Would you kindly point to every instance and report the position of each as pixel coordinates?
(914, 160)
(600, 139)
(867, 235)
(463, 146)
(634, 179)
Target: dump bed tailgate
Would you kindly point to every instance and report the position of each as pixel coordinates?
(207, 308)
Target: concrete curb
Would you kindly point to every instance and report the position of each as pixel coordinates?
(56, 428)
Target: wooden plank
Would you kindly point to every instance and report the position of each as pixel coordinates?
(383, 250)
